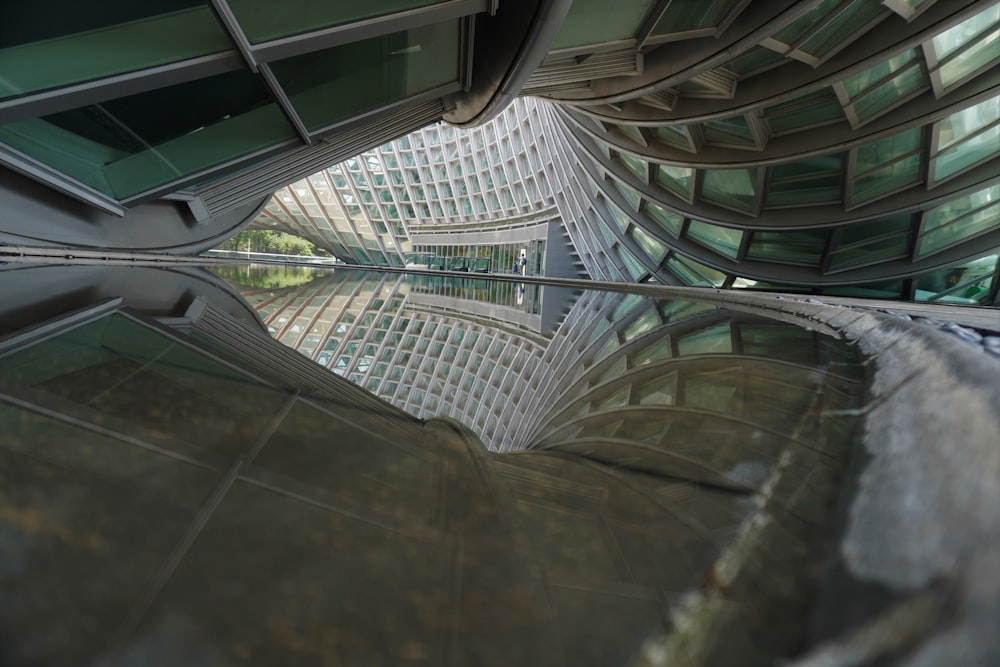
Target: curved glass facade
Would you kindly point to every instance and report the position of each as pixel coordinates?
(787, 159)
(731, 146)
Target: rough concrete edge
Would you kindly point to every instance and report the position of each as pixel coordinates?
(926, 514)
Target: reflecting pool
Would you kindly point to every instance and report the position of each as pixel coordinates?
(494, 473)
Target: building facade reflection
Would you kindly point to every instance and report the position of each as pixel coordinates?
(206, 492)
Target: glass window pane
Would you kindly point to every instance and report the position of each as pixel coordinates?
(673, 136)
(694, 273)
(812, 181)
(879, 169)
(669, 220)
(976, 57)
(889, 94)
(754, 59)
(676, 179)
(729, 132)
(590, 22)
(722, 240)
(959, 219)
(629, 194)
(969, 282)
(843, 28)
(376, 71)
(44, 51)
(805, 248)
(127, 146)
(684, 16)
(794, 30)
(870, 242)
(655, 248)
(635, 269)
(261, 22)
(634, 164)
(809, 110)
(962, 147)
(869, 78)
(953, 39)
(732, 188)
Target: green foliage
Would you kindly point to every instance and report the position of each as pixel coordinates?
(266, 240)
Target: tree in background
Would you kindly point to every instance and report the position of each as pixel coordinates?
(278, 243)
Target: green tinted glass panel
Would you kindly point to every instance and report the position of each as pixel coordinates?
(45, 50)
(972, 29)
(722, 240)
(632, 133)
(673, 136)
(880, 182)
(804, 248)
(878, 153)
(634, 164)
(590, 22)
(871, 242)
(260, 20)
(729, 132)
(969, 282)
(809, 110)
(961, 156)
(843, 28)
(655, 248)
(630, 195)
(890, 93)
(684, 15)
(127, 146)
(872, 77)
(754, 59)
(794, 30)
(812, 181)
(962, 141)
(336, 84)
(635, 268)
(678, 180)
(695, 273)
(732, 188)
(621, 220)
(959, 219)
(669, 220)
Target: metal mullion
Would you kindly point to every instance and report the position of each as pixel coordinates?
(36, 170)
(231, 25)
(650, 23)
(355, 31)
(278, 93)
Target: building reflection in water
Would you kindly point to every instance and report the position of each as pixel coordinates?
(179, 488)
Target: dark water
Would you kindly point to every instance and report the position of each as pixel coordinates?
(659, 485)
